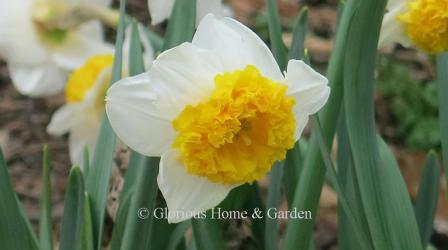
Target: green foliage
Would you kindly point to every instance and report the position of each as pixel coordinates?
(73, 218)
(97, 184)
(427, 197)
(375, 211)
(413, 103)
(15, 229)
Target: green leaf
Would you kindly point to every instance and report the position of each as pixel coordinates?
(136, 162)
(297, 50)
(162, 231)
(99, 174)
(389, 221)
(136, 64)
(273, 201)
(359, 116)
(182, 23)
(207, 234)
(121, 219)
(275, 34)
(15, 232)
(144, 197)
(311, 179)
(354, 221)
(292, 168)
(235, 199)
(86, 230)
(397, 211)
(442, 83)
(254, 201)
(346, 177)
(86, 162)
(73, 218)
(427, 198)
(177, 237)
(45, 225)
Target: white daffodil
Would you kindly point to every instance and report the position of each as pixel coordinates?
(420, 23)
(85, 90)
(161, 9)
(218, 111)
(43, 40)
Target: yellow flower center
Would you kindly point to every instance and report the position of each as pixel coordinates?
(427, 24)
(83, 79)
(237, 134)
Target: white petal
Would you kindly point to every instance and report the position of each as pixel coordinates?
(185, 74)
(92, 29)
(391, 4)
(77, 49)
(37, 81)
(81, 137)
(186, 193)
(309, 89)
(236, 45)
(392, 30)
(160, 10)
(205, 7)
(64, 119)
(19, 41)
(104, 3)
(137, 121)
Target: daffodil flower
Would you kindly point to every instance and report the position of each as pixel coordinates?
(420, 23)
(85, 91)
(39, 57)
(218, 111)
(161, 9)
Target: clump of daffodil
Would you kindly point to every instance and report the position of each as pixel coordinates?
(218, 111)
(161, 9)
(85, 91)
(43, 40)
(422, 23)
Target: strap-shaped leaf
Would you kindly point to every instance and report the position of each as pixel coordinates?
(383, 194)
(207, 234)
(45, 225)
(297, 50)
(312, 176)
(182, 23)
(177, 237)
(359, 231)
(349, 184)
(15, 230)
(275, 34)
(99, 174)
(73, 218)
(397, 209)
(253, 202)
(442, 83)
(273, 201)
(86, 231)
(427, 198)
